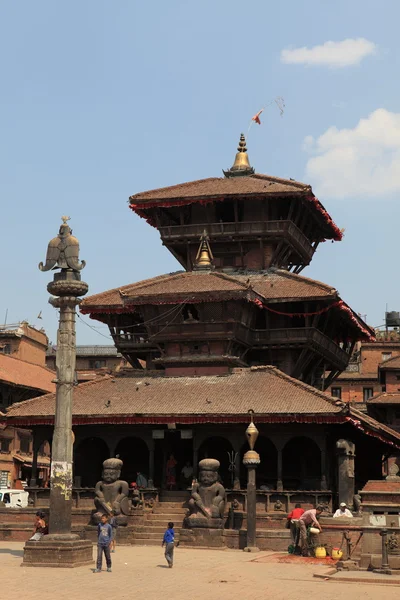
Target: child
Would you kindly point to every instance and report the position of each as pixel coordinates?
(168, 540)
(40, 527)
(104, 532)
(114, 525)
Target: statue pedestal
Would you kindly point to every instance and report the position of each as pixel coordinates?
(202, 538)
(193, 522)
(65, 551)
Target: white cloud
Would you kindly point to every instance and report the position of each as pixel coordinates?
(359, 162)
(331, 54)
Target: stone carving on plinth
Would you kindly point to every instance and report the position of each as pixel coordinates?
(357, 504)
(393, 544)
(111, 494)
(207, 502)
(393, 472)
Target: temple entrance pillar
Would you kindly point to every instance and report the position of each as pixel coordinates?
(150, 482)
(279, 481)
(346, 454)
(35, 451)
(324, 485)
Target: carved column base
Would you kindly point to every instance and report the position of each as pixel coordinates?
(251, 549)
(193, 522)
(58, 552)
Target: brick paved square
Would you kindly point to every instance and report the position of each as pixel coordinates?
(197, 574)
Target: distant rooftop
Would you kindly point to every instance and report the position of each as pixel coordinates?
(106, 350)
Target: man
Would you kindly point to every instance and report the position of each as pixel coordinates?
(187, 475)
(307, 519)
(343, 511)
(293, 520)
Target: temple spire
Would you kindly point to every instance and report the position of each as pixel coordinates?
(241, 166)
(204, 255)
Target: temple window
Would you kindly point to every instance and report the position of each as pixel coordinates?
(367, 393)
(337, 392)
(5, 445)
(97, 364)
(190, 313)
(225, 212)
(24, 444)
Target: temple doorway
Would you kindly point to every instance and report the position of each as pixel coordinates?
(301, 464)
(134, 453)
(88, 461)
(221, 449)
(181, 449)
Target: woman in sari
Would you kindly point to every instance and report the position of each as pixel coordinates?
(171, 472)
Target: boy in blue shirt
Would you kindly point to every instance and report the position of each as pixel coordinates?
(104, 533)
(169, 540)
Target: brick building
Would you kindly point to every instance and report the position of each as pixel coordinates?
(371, 370)
(23, 375)
(91, 361)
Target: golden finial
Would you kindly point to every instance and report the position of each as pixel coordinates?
(241, 166)
(204, 255)
(251, 432)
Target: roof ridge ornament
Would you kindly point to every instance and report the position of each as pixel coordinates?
(241, 165)
(204, 256)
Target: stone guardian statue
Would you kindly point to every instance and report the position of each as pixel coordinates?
(111, 494)
(207, 502)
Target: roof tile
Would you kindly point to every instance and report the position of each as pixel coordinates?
(18, 372)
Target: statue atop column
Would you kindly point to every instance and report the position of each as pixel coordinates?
(207, 502)
(111, 494)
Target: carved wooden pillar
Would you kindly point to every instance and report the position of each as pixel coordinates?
(346, 454)
(35, 451)
(150, 482)
(324, 485)
(195, 459)
(279, 482)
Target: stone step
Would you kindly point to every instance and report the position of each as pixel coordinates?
(174, 496)
(165, 510)
(178, 504)
(159, 529)
(139, 542)
(145, 535)
(159, 522)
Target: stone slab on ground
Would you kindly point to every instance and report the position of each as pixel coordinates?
(366, 577)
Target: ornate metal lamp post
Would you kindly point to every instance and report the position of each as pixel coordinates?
(251, 460)
(61, 547)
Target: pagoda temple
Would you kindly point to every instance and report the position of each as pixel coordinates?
(238, 329)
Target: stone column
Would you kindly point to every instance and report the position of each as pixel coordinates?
(195, 459)
(346, 454)
(251, 460)
(279, 482)
(62, 548)
(150, 481)
(324, 485)
(61, 459)
(35, 451)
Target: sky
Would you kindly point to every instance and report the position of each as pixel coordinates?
(100, 100)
